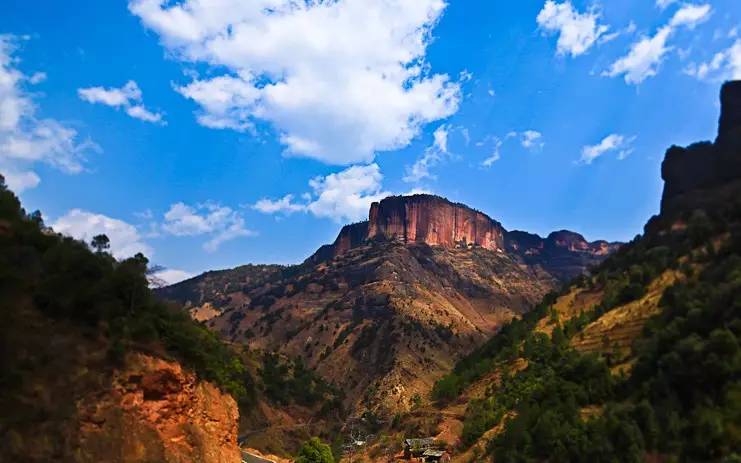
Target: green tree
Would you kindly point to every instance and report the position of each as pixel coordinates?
(315, 451)
(101, 243)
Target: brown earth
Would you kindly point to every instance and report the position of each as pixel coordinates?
(73, 403)
(390, 307)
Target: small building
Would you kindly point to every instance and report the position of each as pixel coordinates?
(417, 447)
(435, 456)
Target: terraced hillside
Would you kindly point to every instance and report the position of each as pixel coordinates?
(640, 361)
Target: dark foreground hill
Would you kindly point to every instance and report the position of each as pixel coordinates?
(94, 368)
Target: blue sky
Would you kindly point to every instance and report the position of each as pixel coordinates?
(213, 133)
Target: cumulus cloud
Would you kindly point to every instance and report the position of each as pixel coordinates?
(646, 55)
(347, 195)
(220, 223)
(725, 65)
(344, 196)
(611, 143)
(84, 225)
(577, 32)
(26, 139)
(664, 3)
(339, 81)
(128, 97)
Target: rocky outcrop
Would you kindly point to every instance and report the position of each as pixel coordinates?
(74, 404)
(351, 236)
(434, 221)
(688, 171)
(156, 411)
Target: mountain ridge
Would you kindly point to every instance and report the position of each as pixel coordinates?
(423, 281)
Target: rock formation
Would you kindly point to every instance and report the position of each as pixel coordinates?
(435, 221)
(156, 411)
(702, 166)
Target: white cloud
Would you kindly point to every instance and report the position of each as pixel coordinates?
(347, 195)
(128, 97)
(495, 155)
(21, 181)
(578, 32)
(84, 225)
(431, 157)
(113, 97)
(170, 276)
(646, 55)
(342, 196)
(725, 65)
(338, 80)
(610, 143)
(691, 15)
(37, 78)
(142, 113)
(221, 223)
(643, 59)
(283, 205)
(24, 138)
(532, 139)
(664, 3)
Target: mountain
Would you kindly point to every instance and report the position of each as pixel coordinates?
(435, 221)
(638, 361)
(395, 301)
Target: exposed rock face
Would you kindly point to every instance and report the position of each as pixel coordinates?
(156, 411)
(730, 115)
(73, 405)
(701, 166)
(434, 221)
(351, 236)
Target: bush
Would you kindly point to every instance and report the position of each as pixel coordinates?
(315, 451)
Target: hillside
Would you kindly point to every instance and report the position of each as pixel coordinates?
(394, 302)
(639, 361)
(94, 368)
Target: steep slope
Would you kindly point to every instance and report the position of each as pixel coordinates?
(640, 361)
(93, 368)
(392, 304)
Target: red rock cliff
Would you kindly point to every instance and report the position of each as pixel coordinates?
(434, 221)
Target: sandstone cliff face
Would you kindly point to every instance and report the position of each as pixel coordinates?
(156, 411)
(702, 166)
(434, 221)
